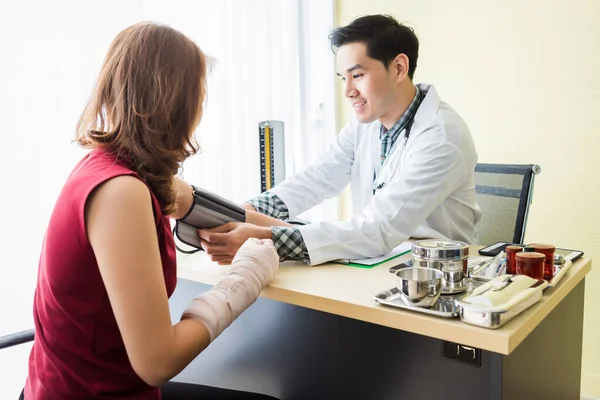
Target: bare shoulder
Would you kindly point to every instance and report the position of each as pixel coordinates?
(122, 190)
(124, 198)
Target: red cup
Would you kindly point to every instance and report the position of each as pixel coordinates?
(547, 250)
(531, 264)
(511, 261)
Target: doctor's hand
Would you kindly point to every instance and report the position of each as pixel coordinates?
(222, 243)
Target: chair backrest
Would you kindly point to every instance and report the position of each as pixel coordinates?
(503, 192)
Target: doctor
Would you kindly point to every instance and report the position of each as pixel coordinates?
(409, 157)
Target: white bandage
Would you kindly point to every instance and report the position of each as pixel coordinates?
(252, 268)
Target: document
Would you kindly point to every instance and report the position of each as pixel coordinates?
(398, 251)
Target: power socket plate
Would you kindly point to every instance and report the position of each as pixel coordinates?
(461, 353)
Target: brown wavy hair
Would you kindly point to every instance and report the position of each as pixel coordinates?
(146, 104)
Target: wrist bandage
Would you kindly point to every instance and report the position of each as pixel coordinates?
(252, 269)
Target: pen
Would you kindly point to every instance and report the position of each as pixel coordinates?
(472, 267)
(476, 268)
(501, 265)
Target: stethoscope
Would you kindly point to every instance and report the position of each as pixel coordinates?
(387, 170)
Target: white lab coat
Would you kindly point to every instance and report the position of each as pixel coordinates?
(428, 191)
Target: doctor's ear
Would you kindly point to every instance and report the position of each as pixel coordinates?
(400, 66)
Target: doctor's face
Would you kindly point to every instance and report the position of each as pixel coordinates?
(367, 83)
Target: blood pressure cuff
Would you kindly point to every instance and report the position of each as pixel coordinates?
(208, 211)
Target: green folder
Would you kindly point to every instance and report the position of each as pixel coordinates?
(369, 266)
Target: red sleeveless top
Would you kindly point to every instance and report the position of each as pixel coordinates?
(78, 352)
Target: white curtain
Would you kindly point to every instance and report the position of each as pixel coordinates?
(272, 62)
(270, 66)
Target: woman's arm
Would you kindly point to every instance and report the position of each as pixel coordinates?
(184, 199)
(125, 244)
(248, 206)
(121, 228)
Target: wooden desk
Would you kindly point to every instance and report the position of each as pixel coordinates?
(324, 319)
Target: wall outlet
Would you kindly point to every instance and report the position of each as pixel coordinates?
(464, 354)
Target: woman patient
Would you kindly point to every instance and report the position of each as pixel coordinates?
(107, 266)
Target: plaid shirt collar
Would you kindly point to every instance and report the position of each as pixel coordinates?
(399, 126)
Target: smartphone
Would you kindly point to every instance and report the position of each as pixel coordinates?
(494, 249)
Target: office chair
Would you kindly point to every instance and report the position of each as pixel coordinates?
(14, 339)
(503, 192)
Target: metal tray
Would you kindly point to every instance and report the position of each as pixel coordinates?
(562, 270)
(496, 317)
(477, 265)
(443, 307)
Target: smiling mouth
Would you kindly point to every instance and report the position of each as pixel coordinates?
(358, 104)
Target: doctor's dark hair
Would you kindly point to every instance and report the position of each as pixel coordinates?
(146, 104)
(384, 36)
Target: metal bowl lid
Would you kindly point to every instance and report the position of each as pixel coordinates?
(440, 249)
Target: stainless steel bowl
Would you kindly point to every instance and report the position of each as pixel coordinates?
(420, 287)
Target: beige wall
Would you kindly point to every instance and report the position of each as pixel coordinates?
(525, 75)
